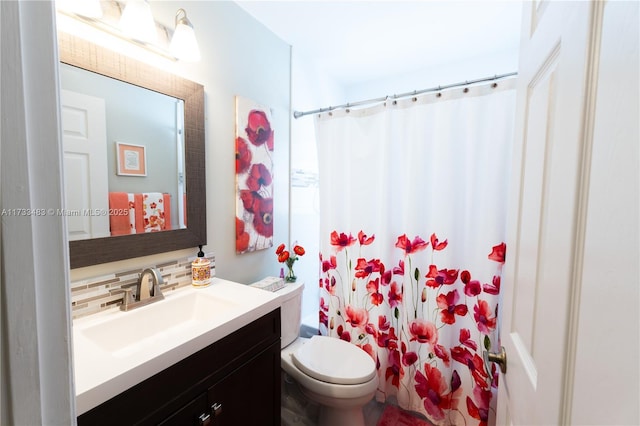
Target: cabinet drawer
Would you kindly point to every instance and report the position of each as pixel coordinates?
(195, 413)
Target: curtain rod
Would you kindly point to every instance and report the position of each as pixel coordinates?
(298, 114)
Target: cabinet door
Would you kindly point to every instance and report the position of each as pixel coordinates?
(195, 413)
(249, 395)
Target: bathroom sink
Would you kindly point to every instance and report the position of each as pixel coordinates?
(172, 319)
(114, 350)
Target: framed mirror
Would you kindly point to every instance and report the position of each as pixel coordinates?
(191, 230)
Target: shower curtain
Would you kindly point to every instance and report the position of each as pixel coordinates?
(412, 227)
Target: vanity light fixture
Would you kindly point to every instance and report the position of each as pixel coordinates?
(184, 45)
(137, 21)
(132, 22)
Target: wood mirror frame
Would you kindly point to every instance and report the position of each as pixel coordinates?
(83, 54)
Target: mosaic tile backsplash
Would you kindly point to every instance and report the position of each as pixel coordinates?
(93, 295)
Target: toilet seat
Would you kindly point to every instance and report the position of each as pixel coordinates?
(334, 361)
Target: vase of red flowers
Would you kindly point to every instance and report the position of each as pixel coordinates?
(284, 256)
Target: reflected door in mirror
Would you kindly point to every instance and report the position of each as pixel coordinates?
(85, 171)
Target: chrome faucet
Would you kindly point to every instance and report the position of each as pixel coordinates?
(147, 290)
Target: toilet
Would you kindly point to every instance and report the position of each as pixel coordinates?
(335, 374)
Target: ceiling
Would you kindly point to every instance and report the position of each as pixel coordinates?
(352, 39)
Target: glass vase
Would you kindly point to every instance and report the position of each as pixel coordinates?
(291, 276)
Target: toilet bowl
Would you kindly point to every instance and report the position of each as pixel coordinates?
(335, 374)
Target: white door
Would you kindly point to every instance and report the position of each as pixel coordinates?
(544, 211)
(85, 165)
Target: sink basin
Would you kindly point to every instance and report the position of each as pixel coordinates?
(172, 319)
(115, 350)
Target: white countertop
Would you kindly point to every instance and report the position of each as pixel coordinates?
(102, 373)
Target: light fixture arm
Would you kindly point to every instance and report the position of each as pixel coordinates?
(183, 20)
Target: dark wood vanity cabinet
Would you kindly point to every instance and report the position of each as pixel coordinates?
(234, 381)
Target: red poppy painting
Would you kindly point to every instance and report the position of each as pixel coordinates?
(254, 176)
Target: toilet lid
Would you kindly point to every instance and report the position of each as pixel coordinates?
(334, 361)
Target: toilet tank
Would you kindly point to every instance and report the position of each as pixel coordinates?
(290, 298)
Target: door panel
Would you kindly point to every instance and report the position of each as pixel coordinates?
(544, 216)
(85, 165)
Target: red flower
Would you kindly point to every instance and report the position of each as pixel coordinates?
(280, 249)
(324, 309)
(449, 308)
(259, 129)
(482, 315)
(443, 276)
(432, 388)
(480, 411)
(395, 295)
(437, 245)
(472, 288)
(243, 155)
(399, 270)
(357, 317)
(365, 268)
(423, 331)
(330, 285)
(441, 352)
(418, 244)
(465, 339)
(473, 362)
(409, 358)
(364, 241)
(341, 241)
(250, 200)
(299, 250)
(493, 288)
(343, 334)
(372, 288)
(283, 256)
(259, 176)
(329, 264)
(263, 217)
(242, 237)
(498, 253)
(394, 370)
(383, 323)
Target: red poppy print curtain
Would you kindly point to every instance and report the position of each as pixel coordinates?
(254, 183)
(413, 202)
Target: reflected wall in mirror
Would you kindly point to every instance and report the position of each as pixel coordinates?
(173, 152)
(134, 143)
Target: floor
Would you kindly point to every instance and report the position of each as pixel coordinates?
(297, 410)
(372, 412)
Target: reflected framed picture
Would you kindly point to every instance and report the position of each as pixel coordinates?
(132, 160)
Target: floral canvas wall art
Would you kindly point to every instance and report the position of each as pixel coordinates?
(254, 176)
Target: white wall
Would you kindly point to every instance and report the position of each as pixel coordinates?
(239, 57)
(438, 74)
(311, 87)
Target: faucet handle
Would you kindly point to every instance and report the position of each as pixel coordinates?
(127, 296)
